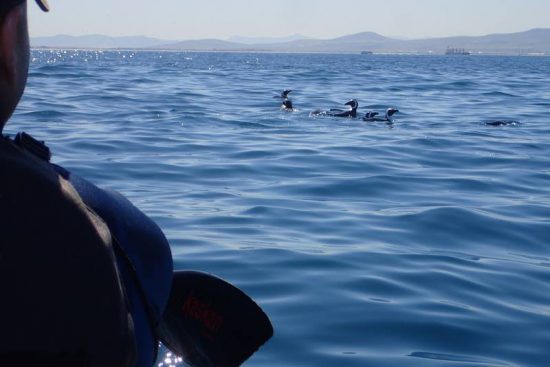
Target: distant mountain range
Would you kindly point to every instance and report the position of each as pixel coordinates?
(266, 40)
(535, 41)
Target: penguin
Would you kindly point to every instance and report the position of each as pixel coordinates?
(498, 123)
(287, 103)
(350, 113)
(372, 116)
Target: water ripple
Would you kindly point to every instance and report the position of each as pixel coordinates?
(423, 243)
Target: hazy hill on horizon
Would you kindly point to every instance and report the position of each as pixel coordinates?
(532, 41)
(266, 40)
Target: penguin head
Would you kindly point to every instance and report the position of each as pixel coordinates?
(390, 112)
(353, 104)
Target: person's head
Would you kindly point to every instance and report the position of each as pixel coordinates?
(14, 54)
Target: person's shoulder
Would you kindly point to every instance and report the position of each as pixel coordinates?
(30, 189)
(57, 267)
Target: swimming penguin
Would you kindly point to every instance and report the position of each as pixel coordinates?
(351, 113)
(372, 116)
(498, 123)
(287, 103)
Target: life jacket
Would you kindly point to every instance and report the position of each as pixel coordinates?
(143, 257)
(62, 297)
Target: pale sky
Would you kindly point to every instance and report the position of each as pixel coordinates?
(195, 19)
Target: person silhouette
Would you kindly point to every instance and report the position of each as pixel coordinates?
(72, 255)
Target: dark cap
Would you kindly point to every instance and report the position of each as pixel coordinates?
(8, 4)
(43, 4)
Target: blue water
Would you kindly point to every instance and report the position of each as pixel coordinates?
(424, 243)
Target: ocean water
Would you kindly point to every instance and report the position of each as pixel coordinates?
(422, 243)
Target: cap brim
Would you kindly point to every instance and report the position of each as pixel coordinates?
(43, 4)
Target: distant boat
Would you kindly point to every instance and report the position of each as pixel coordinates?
(366, 52)
(457, 51)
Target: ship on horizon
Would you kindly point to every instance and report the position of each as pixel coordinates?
(457, 51)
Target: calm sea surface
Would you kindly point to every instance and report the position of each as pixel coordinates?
(425, 243)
